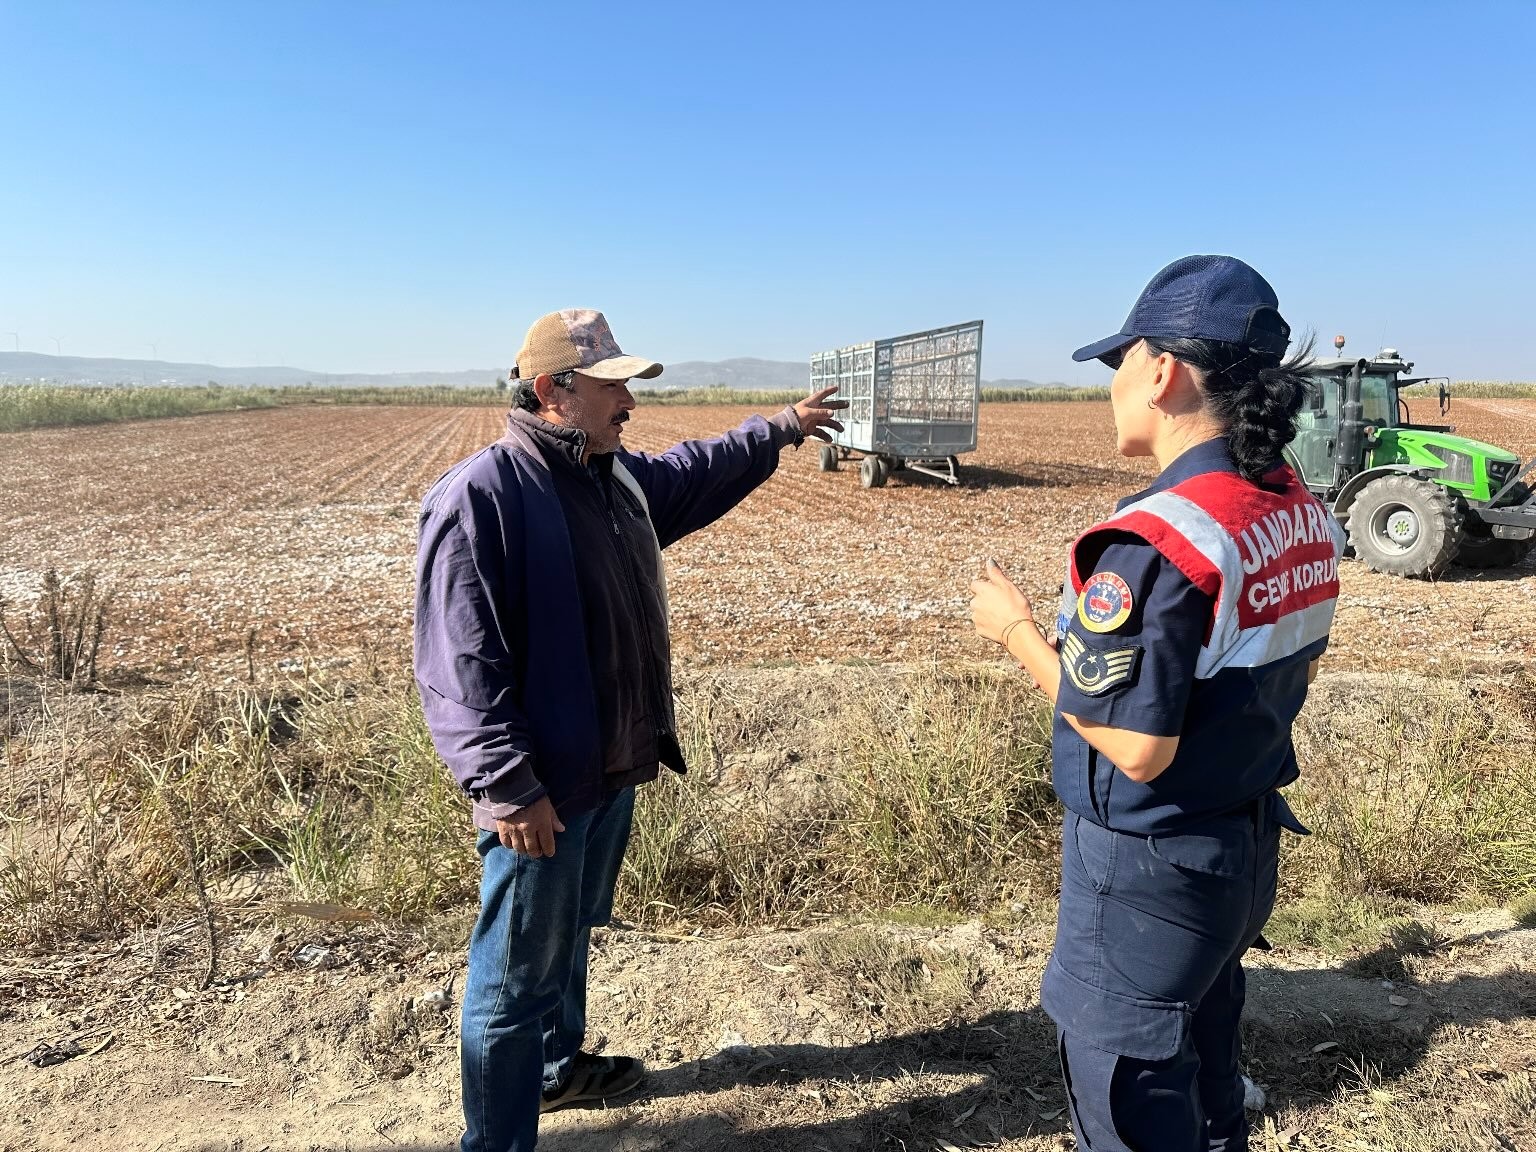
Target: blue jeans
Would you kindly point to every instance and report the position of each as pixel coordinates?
(1146, 980)
(525, 997)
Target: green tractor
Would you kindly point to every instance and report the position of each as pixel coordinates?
(1413, 498)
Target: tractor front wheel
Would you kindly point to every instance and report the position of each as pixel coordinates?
(1404, 526)
(1490, 552)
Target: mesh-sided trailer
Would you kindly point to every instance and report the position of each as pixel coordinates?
(913, 402)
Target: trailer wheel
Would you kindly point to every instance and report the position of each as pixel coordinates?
(898, 464)
(826, 458)
(873, 472)
(1404, 526)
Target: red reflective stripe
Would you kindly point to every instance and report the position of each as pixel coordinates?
(1166, 539)
(1231, 501)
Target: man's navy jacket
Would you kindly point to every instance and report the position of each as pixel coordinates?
(500, 648)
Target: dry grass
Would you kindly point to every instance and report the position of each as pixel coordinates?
(930, 789)
(322, 794)
(1381, 1090)
(903, 983)
(839, 793)
(918, 794)
(1421, 790)
(947, 792)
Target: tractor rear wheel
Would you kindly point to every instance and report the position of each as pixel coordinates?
(1480, 548)
(1405, 526)
(826, 457)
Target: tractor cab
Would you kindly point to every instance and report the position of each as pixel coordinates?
(1413, 497)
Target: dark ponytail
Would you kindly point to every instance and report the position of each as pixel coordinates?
(1255, 396)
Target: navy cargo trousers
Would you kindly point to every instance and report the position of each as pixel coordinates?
(1146, 982)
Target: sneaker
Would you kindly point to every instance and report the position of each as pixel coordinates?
(594, 1079)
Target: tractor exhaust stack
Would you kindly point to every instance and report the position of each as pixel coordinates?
(1351, 427)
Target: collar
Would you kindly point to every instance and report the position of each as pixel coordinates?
(557, 440)
(600, 465)
(1207, 456)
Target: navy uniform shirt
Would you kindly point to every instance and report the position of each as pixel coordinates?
(1129, 654)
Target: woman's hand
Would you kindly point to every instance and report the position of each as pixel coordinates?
(997, 605)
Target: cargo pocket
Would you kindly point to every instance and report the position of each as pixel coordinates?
(1097, 848)
(1112, 1022)
(1224, 850)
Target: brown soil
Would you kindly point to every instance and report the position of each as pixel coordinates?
(293, 530)
(837, 1038)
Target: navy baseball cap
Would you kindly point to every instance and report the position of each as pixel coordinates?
(1203, 298)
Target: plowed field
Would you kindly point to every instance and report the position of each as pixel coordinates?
(299, 524)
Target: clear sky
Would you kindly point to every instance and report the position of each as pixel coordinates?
(402, 186)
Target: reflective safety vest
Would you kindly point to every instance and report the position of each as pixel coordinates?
(1268, 558)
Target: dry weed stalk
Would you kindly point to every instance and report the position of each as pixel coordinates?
(62, 633)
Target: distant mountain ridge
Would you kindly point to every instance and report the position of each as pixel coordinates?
(744, 372)
(16, 367)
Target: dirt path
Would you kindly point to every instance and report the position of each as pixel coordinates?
(840, 1038)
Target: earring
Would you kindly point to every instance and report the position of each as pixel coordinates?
(1151, 403)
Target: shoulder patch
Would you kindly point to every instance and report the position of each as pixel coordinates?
(1093, 672)
(1105, 602)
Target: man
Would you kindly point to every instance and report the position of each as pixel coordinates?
(544, 665)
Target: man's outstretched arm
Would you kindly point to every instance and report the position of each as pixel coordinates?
(696, 482)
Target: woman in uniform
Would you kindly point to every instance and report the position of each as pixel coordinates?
(1191, 624)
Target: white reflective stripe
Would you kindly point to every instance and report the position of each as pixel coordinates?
(1068, 597)
(1193, 523)
(1268, 643)
(1214, 543)
(1340, 537)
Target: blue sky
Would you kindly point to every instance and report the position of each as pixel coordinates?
(374, 186)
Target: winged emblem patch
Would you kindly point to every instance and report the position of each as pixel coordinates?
(1094, 672)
